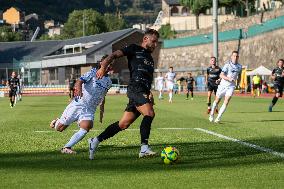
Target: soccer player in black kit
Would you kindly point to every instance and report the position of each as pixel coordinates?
(141, 67)
(13, 83)
(278, 77)
(190, 84)
(213, 80)
(71, 86)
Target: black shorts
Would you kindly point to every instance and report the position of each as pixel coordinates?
(212, 87)
(256, 86)
(278, 88)
(138, 95)
(190, 88)
(12, 92)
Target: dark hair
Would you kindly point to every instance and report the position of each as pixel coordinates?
(282, 60)
(237, 52)
(104, 57)
(152, 32)
(171, 67)
(213, 57)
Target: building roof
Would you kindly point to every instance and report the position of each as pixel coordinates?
(172, 2)
(38, 50)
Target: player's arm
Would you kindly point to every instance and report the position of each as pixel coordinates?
(78, 88)
(223, 76)
(151, 98)
(273, 75)
(106, 62)
(102, 110)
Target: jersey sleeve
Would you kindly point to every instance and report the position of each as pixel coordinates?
(128, 50)
(225, 69)
(207, 71)
(88, 76)
(273, 72)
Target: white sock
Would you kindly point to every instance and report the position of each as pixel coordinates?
(76, 138)
(171, 95)
(160, 95)
(144, 148)
(214, 105)
(221, 111)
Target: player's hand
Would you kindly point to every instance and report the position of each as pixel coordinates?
(101, 116)
(78, 91)
(100, 73)
(151, 98)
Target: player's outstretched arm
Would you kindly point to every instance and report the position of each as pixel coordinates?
(106, 62)
(102, 109)
(223, 76)
(78, 88)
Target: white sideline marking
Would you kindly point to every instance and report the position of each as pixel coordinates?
(260, 148)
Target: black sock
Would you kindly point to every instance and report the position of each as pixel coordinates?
(209, 104)
(110, 131)
(13, 103)
(187, 95)
(145, 129)
(192, 94)
(274, 100)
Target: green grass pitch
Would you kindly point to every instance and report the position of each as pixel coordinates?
(30, 159)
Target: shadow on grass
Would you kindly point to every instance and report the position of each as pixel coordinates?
(200, 155)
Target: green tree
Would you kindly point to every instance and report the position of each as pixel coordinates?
(84, 22)
(7, 34)
(113, 22)
(166, 32)
(197, 7)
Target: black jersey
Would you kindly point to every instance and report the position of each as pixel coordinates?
(72, 83)
(140, 64)
(279, 79)
(190, 82)
(13, 83)
(213, 74)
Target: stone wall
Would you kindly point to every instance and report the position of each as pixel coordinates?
(237, 23)
(264, 50)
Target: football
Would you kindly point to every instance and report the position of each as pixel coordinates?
(169, 155)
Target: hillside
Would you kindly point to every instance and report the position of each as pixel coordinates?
(59, 9)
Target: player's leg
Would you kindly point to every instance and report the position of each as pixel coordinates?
(148, 113)
(223, 108)
(171, 95)
(221, 91)
(127, 119)
(85, 126)
(187, 93)
(209, 94)
(191, 92)
(278, 93)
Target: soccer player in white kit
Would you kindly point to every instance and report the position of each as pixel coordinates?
(160, 85)
(89, 93)
(170, 81)
(229, 75)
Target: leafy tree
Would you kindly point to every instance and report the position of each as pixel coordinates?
(84, 22)
(166, 32)
(6, 34)
(197, 7)
(114, 23)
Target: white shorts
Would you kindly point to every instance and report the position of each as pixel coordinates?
(160, 87)
(76, 111)
(170, 85)
(225, 91)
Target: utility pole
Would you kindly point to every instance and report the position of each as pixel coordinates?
(83, 23)
(215, 29)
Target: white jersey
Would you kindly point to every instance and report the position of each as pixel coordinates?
(170, 76)
(160, 81)
(231, 70)
(94, 91)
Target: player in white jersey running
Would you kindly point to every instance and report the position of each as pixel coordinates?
(229, 75)
(89, 93)
(170, 81)
(160, 85)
